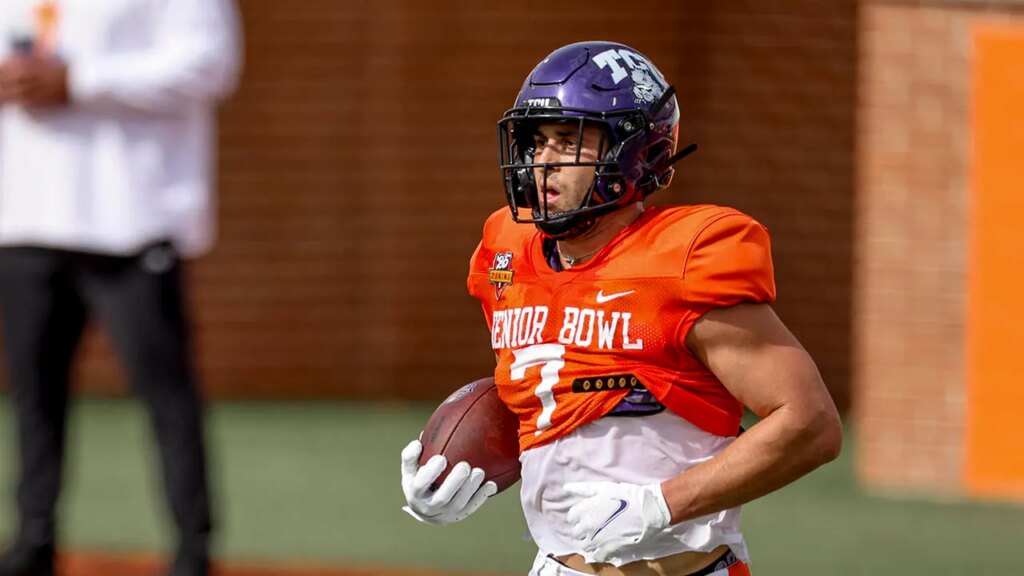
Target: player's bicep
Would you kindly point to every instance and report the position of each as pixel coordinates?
(758, 359)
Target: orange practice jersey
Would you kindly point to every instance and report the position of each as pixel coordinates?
(572, 344)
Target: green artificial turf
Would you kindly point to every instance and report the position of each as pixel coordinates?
(320, 483)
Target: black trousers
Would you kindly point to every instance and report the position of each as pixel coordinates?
(47, 296)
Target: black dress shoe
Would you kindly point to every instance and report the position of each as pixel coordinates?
(27, 561)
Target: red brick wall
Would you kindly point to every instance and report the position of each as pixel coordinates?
(914, 153)
(774, 113)
(358, 162)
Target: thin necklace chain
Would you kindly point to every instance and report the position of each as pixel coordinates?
(571, 261)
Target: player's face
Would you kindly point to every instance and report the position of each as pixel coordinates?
(565, 186)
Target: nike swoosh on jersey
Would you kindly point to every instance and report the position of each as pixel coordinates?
(622, 508)
(601, 298)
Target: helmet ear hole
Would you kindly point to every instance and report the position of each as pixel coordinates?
(658, 154)
(658, 167)
(658, 163)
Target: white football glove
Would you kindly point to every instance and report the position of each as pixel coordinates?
(614, 516)
(461, 493)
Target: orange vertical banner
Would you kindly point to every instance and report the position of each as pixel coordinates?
(994, 465)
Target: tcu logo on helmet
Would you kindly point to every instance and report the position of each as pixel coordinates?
(647, 86)
(542, 102)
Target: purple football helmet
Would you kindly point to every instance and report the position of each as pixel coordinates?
(591, 83)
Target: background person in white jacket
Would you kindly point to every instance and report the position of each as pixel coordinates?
(107, 122)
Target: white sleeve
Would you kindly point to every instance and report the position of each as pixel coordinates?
(195, 58)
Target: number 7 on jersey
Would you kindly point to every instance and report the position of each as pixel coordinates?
(550, 358)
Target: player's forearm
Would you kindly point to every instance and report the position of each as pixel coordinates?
(785, 445)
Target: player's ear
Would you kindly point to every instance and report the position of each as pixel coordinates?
(606, 142)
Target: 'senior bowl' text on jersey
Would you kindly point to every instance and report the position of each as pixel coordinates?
(572, 344)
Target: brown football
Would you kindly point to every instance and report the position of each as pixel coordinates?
(475, 426)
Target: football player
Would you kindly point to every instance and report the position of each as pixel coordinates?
(628, 339)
